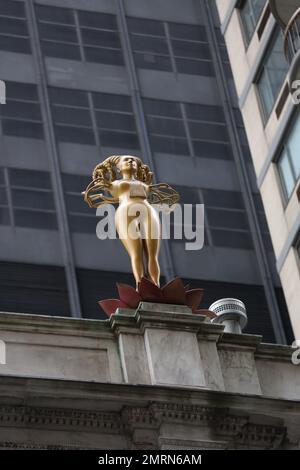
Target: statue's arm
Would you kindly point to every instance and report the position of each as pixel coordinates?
(94, 195)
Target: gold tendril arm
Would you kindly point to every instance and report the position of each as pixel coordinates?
(93, 195)
(163, 194)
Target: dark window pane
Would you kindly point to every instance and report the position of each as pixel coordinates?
(22, 129)
(204, 113)
(13, 44)
(23, 91)
(195, 67)
(69, 97)
(227, 219)
(212, 150)
(187, 31)
(97, 20)
(219, 198)
(32, 199)
(36, 219)
(151, 27)
(118, 139)
(100, 38)
(162, 108)
(13, 26)
(112, 102)
(103, 56)
(2, 181)
(152, 61)
(12, 8)
(65, 51)
(80, 224)
(75, 134)
(75, 116)
(149, 44)
(28, 178)
(4, 216)
(208, 131)
(21, 110)
(187, 195)
(231, 239)
(166, 126)
(169, 145)
(106, 120)
(3, 197)
(55, 14)
(75, 183)
(58, 32)
(77, 203)
(189, 49)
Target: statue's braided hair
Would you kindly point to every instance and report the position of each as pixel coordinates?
(107, 170)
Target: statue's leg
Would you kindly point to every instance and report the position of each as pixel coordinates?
(152, 244)
(134, 247)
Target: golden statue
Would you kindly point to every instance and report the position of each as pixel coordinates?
(132, 190)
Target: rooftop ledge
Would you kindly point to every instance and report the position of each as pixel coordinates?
(156, 345)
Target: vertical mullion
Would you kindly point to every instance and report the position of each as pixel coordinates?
(54, 163)
(94, 123)
(9, 198)
(187, 130)
(170, 47)
(79, 35)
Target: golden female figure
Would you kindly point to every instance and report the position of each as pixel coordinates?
(137, 221)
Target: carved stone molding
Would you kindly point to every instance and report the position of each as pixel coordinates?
(59, 418)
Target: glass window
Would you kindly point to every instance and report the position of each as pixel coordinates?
(14, 35)
(21, 116)
(170, 47)
(32, 199)
(272, 74)
(183, 128)
(251, 11)
(81, 218)
(114, 120)
(79, 35)
(289, 161)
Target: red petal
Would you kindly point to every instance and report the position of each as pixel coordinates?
(194, 298)
(110, 305)
(149, 291)
(174, 292)
(206, 313)
(128, 295)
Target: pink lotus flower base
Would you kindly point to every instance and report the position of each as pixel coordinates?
(174, 292)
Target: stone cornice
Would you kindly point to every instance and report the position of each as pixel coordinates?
(274, 352)
(64, 418)
(31, 391)
(26, 323)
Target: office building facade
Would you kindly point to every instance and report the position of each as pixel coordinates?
(86, 79)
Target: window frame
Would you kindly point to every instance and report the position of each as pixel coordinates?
(272, 40)
(248, 38)
(281, 149)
